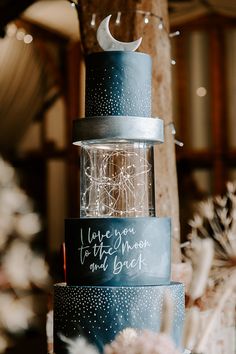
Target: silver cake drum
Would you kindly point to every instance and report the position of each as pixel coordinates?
(118, 129)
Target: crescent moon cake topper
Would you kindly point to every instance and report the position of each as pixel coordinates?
(108, 43)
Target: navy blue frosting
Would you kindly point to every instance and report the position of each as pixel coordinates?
(118, 251)
(118, 84)
(99, 313)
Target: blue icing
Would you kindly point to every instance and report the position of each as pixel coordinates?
(118, 251)
(118, 83)
(99, 313)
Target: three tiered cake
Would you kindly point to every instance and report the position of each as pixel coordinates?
(118, 253)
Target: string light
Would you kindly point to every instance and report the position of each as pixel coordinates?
(147, 16)
(118, 18)
(201, 91)
(146, 19)
(118, 184)
(28, 38)
(174, 34)
(173, 132)
(11, 30)
(93, 20)
(179, 143)
(20, 34)
(173, 62)
(161, 26)
(73, 3)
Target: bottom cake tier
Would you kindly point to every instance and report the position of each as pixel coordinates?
(99, 313)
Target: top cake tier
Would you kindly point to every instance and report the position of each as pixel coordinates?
(118, 84)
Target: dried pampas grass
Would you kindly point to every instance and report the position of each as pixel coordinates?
(223, 297)
(202, 253)
(215, 220)
(167, 314)
(78, 346)
(191, 327)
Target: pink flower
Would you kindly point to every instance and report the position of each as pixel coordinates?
(144, 342)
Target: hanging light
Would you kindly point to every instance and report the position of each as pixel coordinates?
(160, 26)
(118, 17)
(174, 34)
(20, 34)
(93, 20)
(146, 18)
(28, 38)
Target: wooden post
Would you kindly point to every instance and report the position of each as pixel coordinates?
(218, 114)
(156, 43)
(75, 109)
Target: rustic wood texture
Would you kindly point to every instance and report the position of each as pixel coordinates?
(218, 111)
(73, 74)
(156, 43)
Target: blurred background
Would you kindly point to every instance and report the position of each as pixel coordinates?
(42, 90)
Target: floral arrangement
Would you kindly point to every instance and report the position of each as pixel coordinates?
(22, 270)
(129, 341)
(211, 252)
(132, 341)
(216, 221)
(209, 273)
(144, 342)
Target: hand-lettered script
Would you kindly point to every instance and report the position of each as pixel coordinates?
(117, 248)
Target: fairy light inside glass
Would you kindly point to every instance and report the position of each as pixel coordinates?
(117, 180)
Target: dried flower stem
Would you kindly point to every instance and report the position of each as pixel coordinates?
(191, 328)
(167, 317)
(229, 287)
(201, 266)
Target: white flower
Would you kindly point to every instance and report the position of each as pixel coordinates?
(146, 342)
(6, 227)
(7, 173)
(22, 267)
(231, 187)
(207, 209)
(3, 343)
(15, 314)
(221, 201)
(196, 222)
(124, 339)
(13, 200)
(38, 272)
(78, 346)
(16, 264)
(27, 225)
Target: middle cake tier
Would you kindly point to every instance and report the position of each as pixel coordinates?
(118, 251)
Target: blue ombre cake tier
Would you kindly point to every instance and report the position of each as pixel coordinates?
(99, 313)
(118, 84)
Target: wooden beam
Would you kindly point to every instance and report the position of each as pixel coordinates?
(218, 104)
(73, 75)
